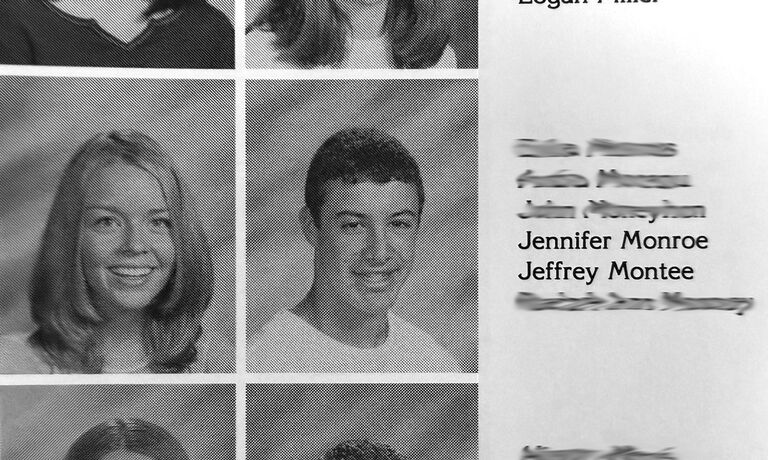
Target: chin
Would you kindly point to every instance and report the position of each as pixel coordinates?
(130, 305)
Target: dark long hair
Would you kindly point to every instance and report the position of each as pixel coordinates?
(59, 300)
(312, 33)
(132, 435)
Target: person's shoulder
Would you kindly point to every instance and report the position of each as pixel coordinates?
(19, 6)
(260, 51)
(12, 340)
(283, 344)
(447, 60)
(15, 10)
(283, 328)
(205, 13)
(405, 327)
(18, 357)
(412, 340)
(282, 322)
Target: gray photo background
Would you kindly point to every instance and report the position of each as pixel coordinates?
(41, 422)
(420, 421)
(437, 121)
(225, 6)
(43, 121)
(462, 20)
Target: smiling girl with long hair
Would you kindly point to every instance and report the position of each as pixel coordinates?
(124, 271)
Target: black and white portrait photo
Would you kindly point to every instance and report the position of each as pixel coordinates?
(118, 205)
(118, 422)
(361, 34)
(362, 421)
(110, 33)
(362, 226)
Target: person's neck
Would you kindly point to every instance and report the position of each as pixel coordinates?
(353, 327)
(130, 9)
(120, 342)
(365, 19)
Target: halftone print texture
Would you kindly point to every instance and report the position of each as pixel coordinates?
(190, 34)
(436, 120)
(42, 422)
(418, 421)
(45, 121)
(460, 31)
(463, 27)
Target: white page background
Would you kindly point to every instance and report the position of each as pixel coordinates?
(687, 72)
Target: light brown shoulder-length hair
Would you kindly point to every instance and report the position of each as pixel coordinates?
(66, 319)
(132, 435)
(313, 33)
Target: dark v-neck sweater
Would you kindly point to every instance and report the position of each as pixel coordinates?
(36, 32)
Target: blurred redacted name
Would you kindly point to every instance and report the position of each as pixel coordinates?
(615, 453)
(675, 301)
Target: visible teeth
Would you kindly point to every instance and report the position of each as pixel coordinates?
(375, 278)
(130, 271)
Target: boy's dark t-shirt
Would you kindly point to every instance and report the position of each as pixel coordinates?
(196, 36)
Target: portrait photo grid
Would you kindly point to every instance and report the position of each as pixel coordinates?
(172, 285)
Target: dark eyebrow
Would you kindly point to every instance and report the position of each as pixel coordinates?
(404, 212)
(350, 214)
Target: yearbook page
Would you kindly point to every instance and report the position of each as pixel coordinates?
(382, 230)
(239, 229)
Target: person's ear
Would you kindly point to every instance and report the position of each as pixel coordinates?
(308, 226)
